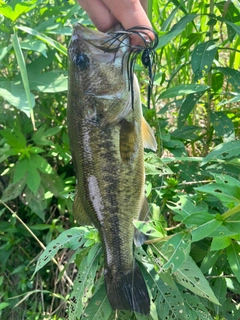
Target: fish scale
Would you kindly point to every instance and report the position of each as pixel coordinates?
(107, 138)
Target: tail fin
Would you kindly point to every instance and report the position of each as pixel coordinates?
(127, 291)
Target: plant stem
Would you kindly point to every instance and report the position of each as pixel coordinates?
(209, 96)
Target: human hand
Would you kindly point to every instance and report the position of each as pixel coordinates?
(105, 14)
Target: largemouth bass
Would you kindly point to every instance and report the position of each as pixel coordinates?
(107, 137)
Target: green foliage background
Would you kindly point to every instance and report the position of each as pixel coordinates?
(191, 263)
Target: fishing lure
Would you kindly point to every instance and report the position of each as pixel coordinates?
(147, 50)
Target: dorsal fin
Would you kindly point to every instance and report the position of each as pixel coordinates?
(149, 140)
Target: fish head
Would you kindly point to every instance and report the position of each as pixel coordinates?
(98, 74)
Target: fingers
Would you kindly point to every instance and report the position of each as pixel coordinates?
(99, 13)
(130, 13)
(105, 14)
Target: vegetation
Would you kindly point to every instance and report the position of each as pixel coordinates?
(191, 262)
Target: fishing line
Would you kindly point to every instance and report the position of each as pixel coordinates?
(147, 50)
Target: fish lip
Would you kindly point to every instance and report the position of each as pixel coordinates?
(99, 40)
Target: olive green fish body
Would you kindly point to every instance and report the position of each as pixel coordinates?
(106, 141)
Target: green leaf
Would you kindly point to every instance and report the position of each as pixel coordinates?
(40, 136)
(15, 94)
(220, 243)
(99, 307)
(223, 151)
(33, 177)
(44, 38)
(187, 44)
(150, 228)
(18, 10)
(182, 90)
(220, 290)
(195, 309)
(155, 166)
(23, 70)
(13, 190)
(222, 125)
(202, 58)
(235, 99)
(235, 27)
(41, 164)
(176, 30)
(4, 305)
(205, 229)
(36, 201)
(53, 81)
(187, 106)
(233, 255)
(34, 45)
(72, 238)
(15, 139)
(82, 289)
(167, 299)
(184, 208)
(217, 81)
(209, 260)
(229, 195)
(4, 51)
(21, 169)
(177, 249)
(233, 76)
(226, 179)
(191, 277)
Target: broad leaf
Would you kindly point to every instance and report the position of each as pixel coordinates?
(233, 254)
(182, 90)
(177, 249)
(202, 58)
(187, 106)
(229, 195)
(99, 307)
(223, 126)
(220, 243)
(72, 238)
(44, 38)
(176, 30)
(191, 277)
(223, 151)
(82, 289)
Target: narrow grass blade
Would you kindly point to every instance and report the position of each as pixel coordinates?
(23, 71)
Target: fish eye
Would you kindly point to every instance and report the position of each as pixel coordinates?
(82, 61)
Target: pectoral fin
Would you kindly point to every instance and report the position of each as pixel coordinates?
(139, 237)
(79, 212)
(149, 140)
(128, 140)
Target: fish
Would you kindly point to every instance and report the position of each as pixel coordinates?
(107, 139)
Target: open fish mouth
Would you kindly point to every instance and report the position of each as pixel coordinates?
(98, 44)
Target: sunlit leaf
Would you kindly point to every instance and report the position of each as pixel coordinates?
(202, 58)
(191, 277)
(182, 90)
(176, 30)
(223, 151)
(44, 38)
(233, 254)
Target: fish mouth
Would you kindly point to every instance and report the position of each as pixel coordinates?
(98, 43)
